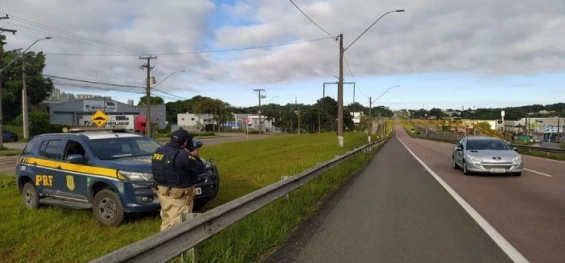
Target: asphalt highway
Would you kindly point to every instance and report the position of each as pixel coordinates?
(403, 208)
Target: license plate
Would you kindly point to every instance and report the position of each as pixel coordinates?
(198, 191)
(497, 170)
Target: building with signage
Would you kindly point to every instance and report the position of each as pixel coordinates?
(197, 122)
(78, 112)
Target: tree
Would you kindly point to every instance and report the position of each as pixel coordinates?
(38, 87)
(154, 100)
(218, 109)
(181, 106)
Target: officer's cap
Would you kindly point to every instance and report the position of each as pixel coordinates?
(180, 136)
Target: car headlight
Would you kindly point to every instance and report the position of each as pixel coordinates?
(517, 159)
(474, 159)
(135, 176)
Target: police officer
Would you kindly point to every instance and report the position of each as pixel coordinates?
(175, 168)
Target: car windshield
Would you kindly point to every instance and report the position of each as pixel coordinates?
(114, 148)
(492, 145)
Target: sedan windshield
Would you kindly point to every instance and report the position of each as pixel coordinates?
(114, 148)
(492, 145)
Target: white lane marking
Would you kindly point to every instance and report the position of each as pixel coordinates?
(491, 232)
(540, 173)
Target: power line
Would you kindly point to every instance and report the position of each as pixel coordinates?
(192, 52)
(332, 36)
(94, 82)
(351, 73)
(70, 34)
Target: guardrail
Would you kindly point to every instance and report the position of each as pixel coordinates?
(169, 244)
(539, 149)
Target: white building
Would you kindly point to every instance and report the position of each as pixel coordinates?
(356, 117)
(266, 125)
(196, 122)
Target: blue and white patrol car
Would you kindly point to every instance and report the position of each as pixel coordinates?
(108, 171)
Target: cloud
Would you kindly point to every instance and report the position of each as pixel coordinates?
(488, 37)
(110, 27)
(497, 37)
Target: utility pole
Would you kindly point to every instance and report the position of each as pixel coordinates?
(558, 128)
(297, 112)
(1, 113)
(7, 30)
(370, 120)
(379, 122)
(24, 99)
(340, 95)
(259, 110)
(319, 120)
(148, 121)
(340, 86)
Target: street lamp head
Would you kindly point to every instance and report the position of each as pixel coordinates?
(400, 10)
(48, 37)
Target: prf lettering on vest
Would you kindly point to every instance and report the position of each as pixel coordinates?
(45, 180)
(157, 156)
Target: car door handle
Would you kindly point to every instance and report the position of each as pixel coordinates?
(59, 167)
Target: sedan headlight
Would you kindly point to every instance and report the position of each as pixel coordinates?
(517, 159)
(474, 159)
(135, 176)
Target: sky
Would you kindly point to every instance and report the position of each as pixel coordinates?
(438, 53)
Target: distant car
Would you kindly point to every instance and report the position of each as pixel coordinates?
(486, 155)
(9, 136)
(106, 171)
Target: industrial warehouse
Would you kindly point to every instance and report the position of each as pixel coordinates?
(120, 115)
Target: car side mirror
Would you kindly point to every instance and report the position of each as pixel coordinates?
(75, 159)
(460, 148)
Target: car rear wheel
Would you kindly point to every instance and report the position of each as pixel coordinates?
(107, 208)
(30, 196)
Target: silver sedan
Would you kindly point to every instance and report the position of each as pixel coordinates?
(486, 155)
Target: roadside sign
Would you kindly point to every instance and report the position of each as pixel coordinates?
(248, 120)
(99, 118)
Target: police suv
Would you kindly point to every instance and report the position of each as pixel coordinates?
(108, 171)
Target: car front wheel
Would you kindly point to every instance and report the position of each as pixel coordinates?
(107, 208)
(30, 196)
(465, 171)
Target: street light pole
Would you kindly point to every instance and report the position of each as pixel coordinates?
(167, 78)
(340, 85)
(370, 108)
(21, 54)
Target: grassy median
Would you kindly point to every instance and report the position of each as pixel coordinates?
(53, 234)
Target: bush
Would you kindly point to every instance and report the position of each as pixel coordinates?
(18, 130)
(38, 124)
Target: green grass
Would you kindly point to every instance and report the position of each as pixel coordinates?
(9, 152)
(54, 234)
